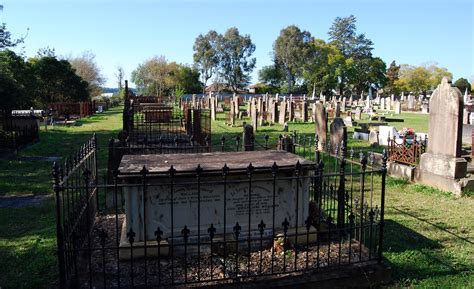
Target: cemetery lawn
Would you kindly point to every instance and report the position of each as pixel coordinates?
(415, 120)
(429, 236)
(28, 234)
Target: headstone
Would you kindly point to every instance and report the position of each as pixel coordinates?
(348, 119)
(343, 104)
(285, 127)
(338, 134)
(382, 103)
(259, 105)
(398, 107)
(274, 112)
(442, 165)
(320, 121)
(425, 107)
(213, 108)
(388, 104)
(232, 114)
(286, 144)
(282, 116)
(411, 102)
(465, 116)
(358, 113)
(337, 110)
(304, 111)
(374, 138)
(248, 138)
(291, 110)
(254, 115)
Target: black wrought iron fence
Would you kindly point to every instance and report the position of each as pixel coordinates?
(215, 218)
(17, 131)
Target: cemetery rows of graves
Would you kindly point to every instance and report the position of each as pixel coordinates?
(19, 128)
(177, 208)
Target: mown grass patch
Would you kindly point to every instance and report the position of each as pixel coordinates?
(429, 234)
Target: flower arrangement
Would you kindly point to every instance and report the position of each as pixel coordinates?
(407, 131)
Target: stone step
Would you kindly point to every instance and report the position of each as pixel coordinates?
(470, 168)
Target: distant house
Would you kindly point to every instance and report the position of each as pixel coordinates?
(251, 88)
(104, 95)
(220, 87)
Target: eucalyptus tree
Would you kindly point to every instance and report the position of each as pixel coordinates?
(87, 68)
(206, 55)
(291, 50)
(235, 58)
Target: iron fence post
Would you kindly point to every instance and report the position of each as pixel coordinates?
(341, 203)
(96, 171)
(316, 149)
(59, 229)
(382, 205)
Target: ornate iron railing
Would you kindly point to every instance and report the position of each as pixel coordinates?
(339, 209)
(406, 151)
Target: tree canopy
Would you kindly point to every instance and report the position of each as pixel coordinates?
(87, 68)
(15, 81)
(56, 81)
(226, 58)
(420, 79)
(236, 62)
(206, 56)
(6, 40)
(463, 85)
(291, 50)
(157, 76)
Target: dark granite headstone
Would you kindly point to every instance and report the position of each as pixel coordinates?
(338, 134)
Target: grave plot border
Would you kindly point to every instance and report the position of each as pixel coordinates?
(344, 226)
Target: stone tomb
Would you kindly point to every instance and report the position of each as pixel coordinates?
(290, 195)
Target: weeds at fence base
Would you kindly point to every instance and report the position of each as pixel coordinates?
(214, 268)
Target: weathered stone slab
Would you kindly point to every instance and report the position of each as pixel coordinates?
(173, 207)
(282, 117)
(320, 122)
(442, 166)
(446, 106)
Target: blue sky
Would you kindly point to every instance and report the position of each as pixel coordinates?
(128, 32)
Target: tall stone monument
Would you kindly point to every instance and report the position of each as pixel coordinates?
(321, 126)
(442, 165)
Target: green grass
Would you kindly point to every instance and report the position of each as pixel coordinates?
(28, 235)
(417, 121)
(429, 236)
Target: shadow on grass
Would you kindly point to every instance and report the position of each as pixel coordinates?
(27, 247)
(399, 238)
(438, 226)
(414, 257)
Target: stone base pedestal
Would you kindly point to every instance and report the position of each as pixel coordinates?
(444, 172)
(401, 171)
(125, 252)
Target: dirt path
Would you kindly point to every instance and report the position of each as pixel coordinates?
(22, 201)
